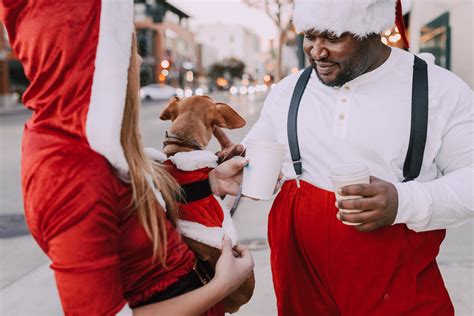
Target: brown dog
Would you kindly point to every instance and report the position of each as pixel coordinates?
(203, 221)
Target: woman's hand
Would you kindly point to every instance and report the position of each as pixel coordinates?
(233, 269)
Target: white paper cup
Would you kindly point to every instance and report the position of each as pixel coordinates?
(349, 174)
(261, 173)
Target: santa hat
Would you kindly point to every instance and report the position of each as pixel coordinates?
(77, 66)
(359, 17)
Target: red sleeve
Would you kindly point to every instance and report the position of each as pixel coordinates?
(85, 258)
(72, 209)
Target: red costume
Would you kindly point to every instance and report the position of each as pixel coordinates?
(396, 266)
(76, 55)
(202, 218)
(321, 266)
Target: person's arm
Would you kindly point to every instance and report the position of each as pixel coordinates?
(81, 231)
(262, 130)
(449, 200)
(438, 204)
(231, 272)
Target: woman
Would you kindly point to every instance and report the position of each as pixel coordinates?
(90, 194)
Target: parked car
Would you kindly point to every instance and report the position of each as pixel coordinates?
(157, 92)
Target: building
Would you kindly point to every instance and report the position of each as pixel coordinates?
(206, 56)
(13, 81)
(444, 28)
(232, 41)
(4, 80)
(165, 43)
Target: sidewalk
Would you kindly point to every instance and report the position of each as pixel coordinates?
(35, 294)
(27, 285)
(17, 109)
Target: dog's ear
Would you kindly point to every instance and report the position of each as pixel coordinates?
(170, 112)
(226, 117)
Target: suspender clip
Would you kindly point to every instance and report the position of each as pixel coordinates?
(298, 182)
(298, 166)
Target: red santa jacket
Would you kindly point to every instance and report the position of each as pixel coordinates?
(76, 56)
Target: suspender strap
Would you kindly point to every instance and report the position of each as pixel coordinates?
(419, 121)
(293, 120)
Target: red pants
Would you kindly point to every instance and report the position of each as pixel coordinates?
(323, 267)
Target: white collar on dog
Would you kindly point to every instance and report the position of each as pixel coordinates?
(186, 161)
(194, 160)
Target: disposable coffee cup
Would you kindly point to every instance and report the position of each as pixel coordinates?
(261, 173)
(349, 174)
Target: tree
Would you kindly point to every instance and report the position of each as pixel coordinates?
(233, 67)
(280, 12)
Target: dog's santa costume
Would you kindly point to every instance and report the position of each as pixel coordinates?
(76, 55)
(321, 266)
(202, 217)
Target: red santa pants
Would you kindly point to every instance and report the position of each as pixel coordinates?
(322, 267)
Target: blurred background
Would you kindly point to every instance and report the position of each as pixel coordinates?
(235, 51)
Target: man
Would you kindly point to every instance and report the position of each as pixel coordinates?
(357, 109)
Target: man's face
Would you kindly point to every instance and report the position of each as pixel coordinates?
(337, 60)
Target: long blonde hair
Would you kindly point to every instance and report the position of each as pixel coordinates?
(143, 169)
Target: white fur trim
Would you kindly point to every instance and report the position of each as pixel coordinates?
(155, 154)
(107, 103)
(194, 160)
(359, 17)
(211, 236)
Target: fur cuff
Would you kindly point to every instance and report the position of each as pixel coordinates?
(211, 236)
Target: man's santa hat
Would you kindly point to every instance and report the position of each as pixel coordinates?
(359, 17)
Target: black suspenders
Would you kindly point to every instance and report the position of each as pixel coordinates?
(419, 121)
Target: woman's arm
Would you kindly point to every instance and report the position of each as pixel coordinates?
(196, 302)
(231, 272)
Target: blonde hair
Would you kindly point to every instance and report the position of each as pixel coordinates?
(142, 169)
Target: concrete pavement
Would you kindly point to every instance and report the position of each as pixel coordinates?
(27, 283)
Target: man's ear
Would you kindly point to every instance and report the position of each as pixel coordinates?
(226, 117)
(170, 112)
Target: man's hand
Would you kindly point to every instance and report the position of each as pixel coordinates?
(226, 178)
(378, 206)
(228, 148)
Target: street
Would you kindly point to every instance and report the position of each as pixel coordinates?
(27, 283)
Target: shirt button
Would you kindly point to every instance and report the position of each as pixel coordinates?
(344, 99)
(341, 116)
(347, 87)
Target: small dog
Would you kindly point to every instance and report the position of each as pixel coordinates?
(203, 221)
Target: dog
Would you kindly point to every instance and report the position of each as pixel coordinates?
(204, 221)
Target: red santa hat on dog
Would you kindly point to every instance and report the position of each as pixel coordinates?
(359, 17)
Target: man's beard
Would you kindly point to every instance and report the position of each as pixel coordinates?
(350, 69)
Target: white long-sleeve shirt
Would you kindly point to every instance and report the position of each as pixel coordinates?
(368, 120)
